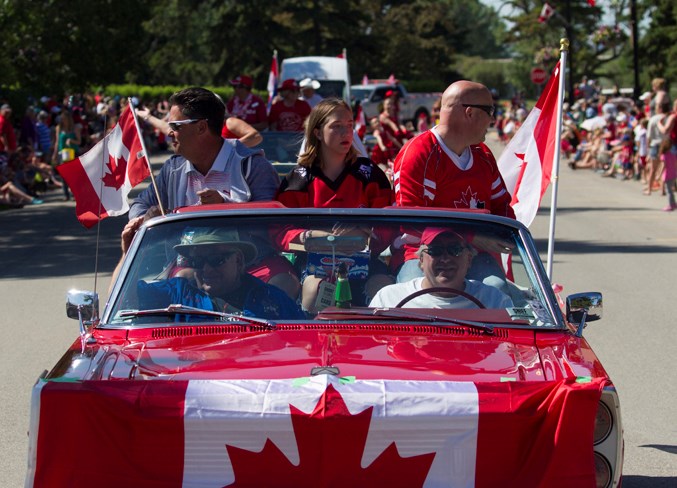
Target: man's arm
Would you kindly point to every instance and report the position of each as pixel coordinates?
(408, 176)
(147, 199)
(126, 239)
(262, 179)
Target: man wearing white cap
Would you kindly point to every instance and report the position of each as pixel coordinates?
(308, 87)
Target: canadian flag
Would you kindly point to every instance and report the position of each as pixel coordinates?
(272, 80)
(312, 432)
(527, 161)
(101, 178)
(546, 12)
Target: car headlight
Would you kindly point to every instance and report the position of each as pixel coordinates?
(604, 422)
(602, 471)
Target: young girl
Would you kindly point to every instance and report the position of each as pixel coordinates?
(669, 160)
(330, 174)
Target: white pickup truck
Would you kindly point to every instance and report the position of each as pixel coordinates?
(412, 105)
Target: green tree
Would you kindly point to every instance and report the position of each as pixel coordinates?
(55, 46)
(658, 47)
(534, 43)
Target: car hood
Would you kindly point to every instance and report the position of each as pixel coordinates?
(365, 352)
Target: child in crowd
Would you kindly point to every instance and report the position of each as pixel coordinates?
(642, 149)
(669, 160)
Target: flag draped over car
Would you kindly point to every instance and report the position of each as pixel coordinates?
(101, 178)
(526, 163)
(313, 432)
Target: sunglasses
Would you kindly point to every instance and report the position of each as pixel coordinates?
(176, 125)
(435, 251)
(487, 109)
(214, 260)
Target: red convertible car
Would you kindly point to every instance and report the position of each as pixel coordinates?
(255, 345)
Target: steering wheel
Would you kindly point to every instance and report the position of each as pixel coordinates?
(440, 289)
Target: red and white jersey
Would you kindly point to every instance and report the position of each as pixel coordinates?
(428, 174)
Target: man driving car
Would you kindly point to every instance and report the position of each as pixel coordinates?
(444, 258)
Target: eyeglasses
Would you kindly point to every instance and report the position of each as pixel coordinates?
(176, 125)
(488, 109)
(213, 260)
(436, 251)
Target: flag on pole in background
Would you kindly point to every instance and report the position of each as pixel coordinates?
(101, 178)
(272, 81)
(546, 12)
(360, 121)
(527, 161)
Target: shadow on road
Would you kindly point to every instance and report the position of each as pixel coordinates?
(47, 241)
(649, 481)
(583, 247)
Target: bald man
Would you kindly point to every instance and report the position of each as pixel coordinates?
(449, 166)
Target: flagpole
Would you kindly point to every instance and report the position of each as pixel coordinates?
(145, 153)
(564, 50)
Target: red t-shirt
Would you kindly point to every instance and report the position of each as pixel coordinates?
(226, 133)
(425, 176)
(252, 110)
(7, 130)
(289, 118)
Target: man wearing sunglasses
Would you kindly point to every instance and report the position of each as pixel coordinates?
(444, 258)
(449, 166)
(218, 281)
(206, 168)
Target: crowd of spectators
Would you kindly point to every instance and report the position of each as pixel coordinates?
(614, 136)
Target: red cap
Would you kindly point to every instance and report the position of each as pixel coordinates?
(242, 80)
(431, 233)
(289, 84)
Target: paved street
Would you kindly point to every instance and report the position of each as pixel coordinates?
(610, 238)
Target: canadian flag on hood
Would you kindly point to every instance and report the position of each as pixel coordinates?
(527, 161)
(101, 178)
(321, 431)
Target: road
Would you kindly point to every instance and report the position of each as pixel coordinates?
(609, 238)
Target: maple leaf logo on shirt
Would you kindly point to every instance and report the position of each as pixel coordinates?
(115, 178)
(331, 443)
(469, 200)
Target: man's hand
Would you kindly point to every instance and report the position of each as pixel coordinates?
(210, 196)
(129, 232)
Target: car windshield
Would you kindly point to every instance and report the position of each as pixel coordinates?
(360, 93)
(279, 265)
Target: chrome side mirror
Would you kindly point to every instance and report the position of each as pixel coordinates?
(82, 305)
(583, 308)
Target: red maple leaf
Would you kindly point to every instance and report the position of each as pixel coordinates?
(116, 177)
(331, 444)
